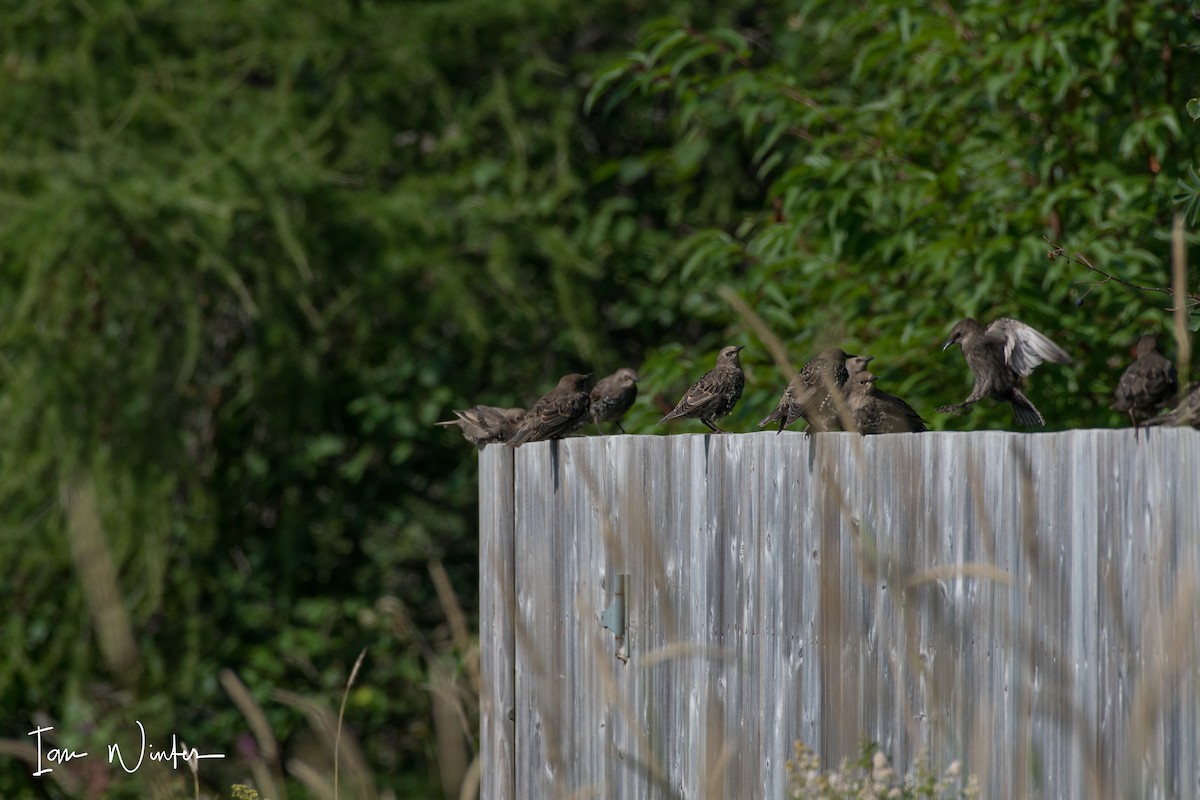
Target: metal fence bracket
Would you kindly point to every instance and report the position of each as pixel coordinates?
(616, 615)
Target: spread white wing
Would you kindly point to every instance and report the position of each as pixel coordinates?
(1024, 346)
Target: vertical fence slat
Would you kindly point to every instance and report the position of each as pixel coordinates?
(1022, 603)
(497, 610)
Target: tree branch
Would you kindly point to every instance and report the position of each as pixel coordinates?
(1057, 251)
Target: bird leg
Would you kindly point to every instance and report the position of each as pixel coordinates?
(711, 426)
(1137, 429)
(957, 408)
(619, 426)
(961, 408)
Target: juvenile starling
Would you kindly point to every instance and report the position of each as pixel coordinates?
(482, 425)
(1148, 384)
(560, 411)
(1186, 413)
(857, 364)
(714, 395)
(808, 394)
(613, 396)
(1000, 355)
(876, 411)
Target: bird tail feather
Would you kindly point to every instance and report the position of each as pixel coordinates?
(1026, 413)
(774, 416)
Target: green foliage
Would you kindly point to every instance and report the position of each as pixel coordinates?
(909, 167)
(1188, 195)
(871, 776)
(250, 252)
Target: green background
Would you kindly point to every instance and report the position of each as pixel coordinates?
(251, 251)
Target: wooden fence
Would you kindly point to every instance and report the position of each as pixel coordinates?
(1026, 604)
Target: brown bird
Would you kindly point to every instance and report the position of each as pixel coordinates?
(1186, 413)
(482, 425)
(613, 396)
(715, 394)
(809, 394)
(875, 411)
(1000, 355)
(1148, 384)
(560, 411)
(857, 364)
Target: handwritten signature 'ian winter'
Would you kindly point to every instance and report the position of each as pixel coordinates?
(178, 752)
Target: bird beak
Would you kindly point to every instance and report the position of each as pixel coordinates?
(947, 344)
(740, 348)
(867, 359)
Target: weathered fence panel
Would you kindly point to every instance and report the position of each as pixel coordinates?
(1024, 603)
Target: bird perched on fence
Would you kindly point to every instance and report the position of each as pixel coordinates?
(1146, 385)
(482, 425)
(1000, 355)
(612, 396)
(560, 411)
(875, 411)
(856, 364)
(1186, 413)
(811, 394)
(715, 394)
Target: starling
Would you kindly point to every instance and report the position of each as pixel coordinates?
(560, 411)
(613, 396)
(1186, 413)
(1000, 355)
(482, 425)
(1148, 384)
(714, 395)
(856, 364)
(809, 394)
(876, 411)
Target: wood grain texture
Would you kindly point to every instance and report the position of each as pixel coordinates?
(497, 631)
(1023, 603)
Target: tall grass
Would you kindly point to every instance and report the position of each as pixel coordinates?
(1000, 601)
